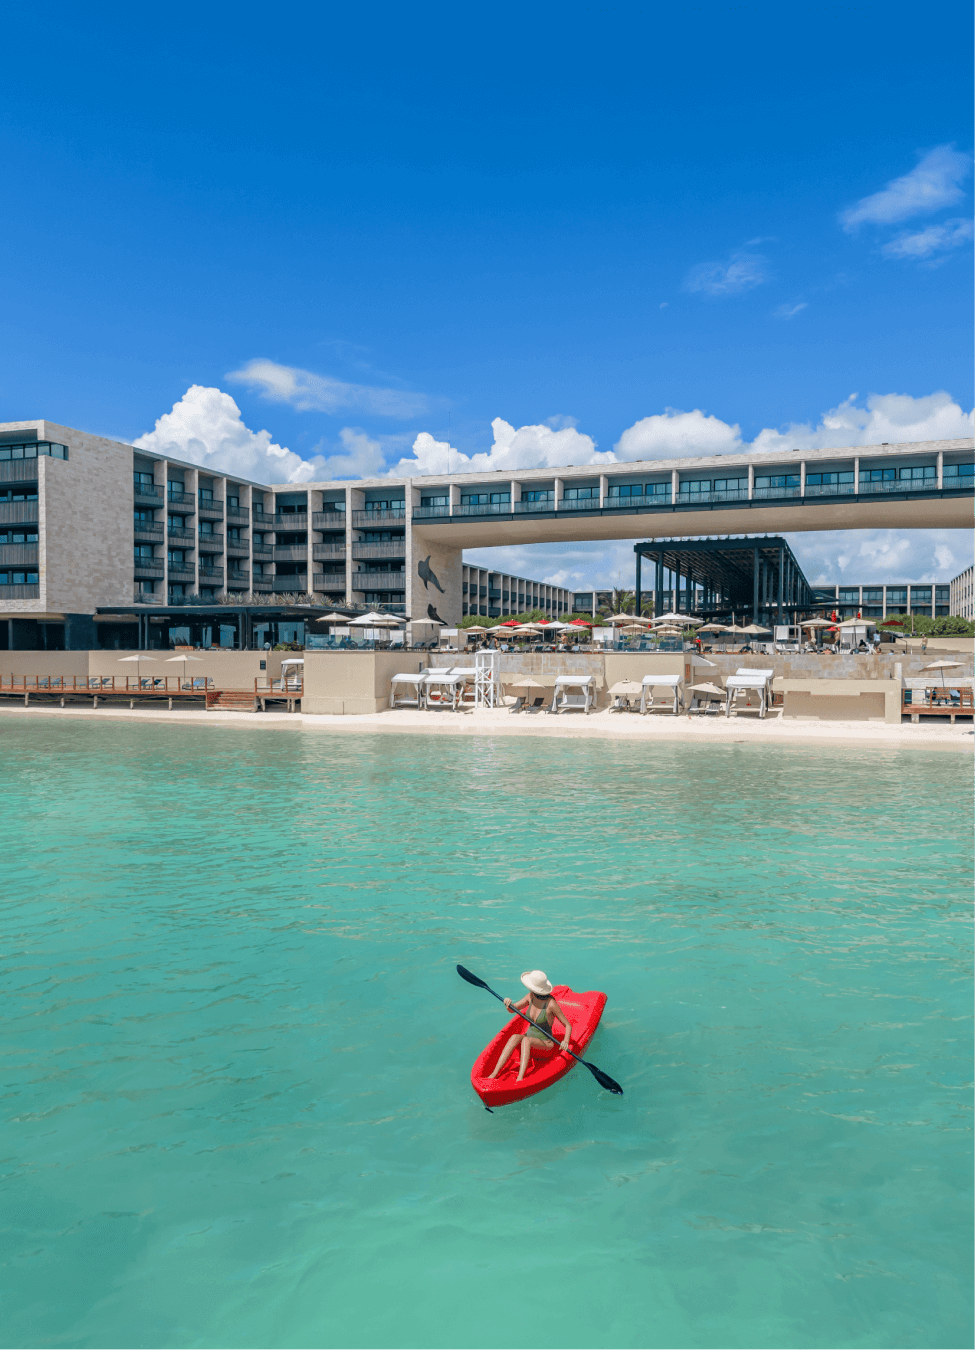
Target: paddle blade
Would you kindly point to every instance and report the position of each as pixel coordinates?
(603, 1079)
(465, 974)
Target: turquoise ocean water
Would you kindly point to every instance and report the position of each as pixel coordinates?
(236, 1099)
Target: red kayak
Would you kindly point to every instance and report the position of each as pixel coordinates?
(584, 1012)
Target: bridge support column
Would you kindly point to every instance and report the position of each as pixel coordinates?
(658, 596)
(755, 580)
(637, 592)
(781, 582)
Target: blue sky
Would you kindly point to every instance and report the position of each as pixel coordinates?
(353, 230)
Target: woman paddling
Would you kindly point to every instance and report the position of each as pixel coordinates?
(541, 1007)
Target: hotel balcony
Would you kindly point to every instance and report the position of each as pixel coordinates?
(364, 520)
(379, 581)
(211, 543)
(185, 538)
(149, 568)
(149, 531)
(295, 583)
(240, 514)
(238, 580)
(330, 552)
(18, 555)
(146, 597)
(210, 509)
(262, 584)
(392, 549)
(148, 494)
(290, 552)
(238, 548)
(18, 513)
(182, 502)
(289, 520)
(182, 571)
(209, 576)
(328, 520)
(329, 581)
(263, 552)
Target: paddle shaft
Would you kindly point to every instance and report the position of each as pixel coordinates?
(535, 1024)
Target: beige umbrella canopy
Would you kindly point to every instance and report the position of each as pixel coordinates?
(138, 658)
(333, 618)
(754, 628)
(712, 628)
(525, 682)
(685, 620)
(632, 628)
(374, 620)
(942, 666)
(668, 632)
(815, 623)
(733, 628)
(631, 688)
(618, 619)
(714, 690)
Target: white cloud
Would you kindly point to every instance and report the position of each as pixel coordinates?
(206, 427)
(886, 417)
(934, 183)
(306, 391)
(528, 447)
(882, 555)
(741, 272)
(931, 240)
(789, 311)
(361, 457)
(674, 434)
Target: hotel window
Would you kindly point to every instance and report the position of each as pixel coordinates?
(177, 555)
(587, 494)
(850, 596)
(11, 496)
(233, 501)
(475, 498)
(18, 578)
(234, 534)
(921, 595)
(696, 486)
(176, 591)
(538, 495)
(141, 517)
(143, 478)
(205, 494)
(630, 489)
(18, 537)
(738, 484)
(817, 479)
(927, 472)
(143, 551)
(962, 471)
(896, 595)
(175, 488)
(206, 527)
(781, 480)
(434, 501)
(146, 586)
(386, 506)
(873, 611)
(258, 569)
(877, 475)
(258, 539)
(177, 522)
(942, 594)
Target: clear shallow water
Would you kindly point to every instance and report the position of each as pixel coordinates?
(236, 1100)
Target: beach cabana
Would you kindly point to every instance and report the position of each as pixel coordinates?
(707, 698)
(406, 691)
(744, 682)
(574, 692)
(652, 682)
(624, 692)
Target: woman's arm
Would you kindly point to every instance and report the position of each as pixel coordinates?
(565, 1022)
(513, 1006)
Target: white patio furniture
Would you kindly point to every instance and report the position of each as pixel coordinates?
(406, 691)
(574, 693)
(741, 686)
(651, 682)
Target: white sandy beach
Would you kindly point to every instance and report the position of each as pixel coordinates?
(741, 729)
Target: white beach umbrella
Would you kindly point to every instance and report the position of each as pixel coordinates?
(815, 623)
(631, 688)
(173, 659)
(755, 628)
(374, 620)
(332, 618)
(943, 666)
(620, 619)
(685, 620)
(525, 682)
(138, 658)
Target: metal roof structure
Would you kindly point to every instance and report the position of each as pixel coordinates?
(760, 575)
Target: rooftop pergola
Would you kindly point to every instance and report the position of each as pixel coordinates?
(760, 575)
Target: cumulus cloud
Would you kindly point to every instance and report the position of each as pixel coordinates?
(673, 434)
(861, 556)
(932, 240)
(884, 417)
(935, 182)
(304, 390)
(206, 427)
(742, 272)
(529, 447)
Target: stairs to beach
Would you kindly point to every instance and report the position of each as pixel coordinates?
(231, 700)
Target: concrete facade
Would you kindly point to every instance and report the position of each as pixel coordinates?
(963, 594)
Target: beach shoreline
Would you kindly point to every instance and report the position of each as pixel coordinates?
(628, 727)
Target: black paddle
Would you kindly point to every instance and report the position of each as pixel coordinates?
(603, 1079)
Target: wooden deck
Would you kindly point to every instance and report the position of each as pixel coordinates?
(938, 701)
(146, 690)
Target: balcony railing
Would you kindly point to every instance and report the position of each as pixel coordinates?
(579, 504)
(239, 513)
(291, 553)
(148, 567)
(183, 502)
(150, 530)
(776, 493)
(364, 519)
(642, 499)
(482, 509)
(263, 552)
(328, 520)
(238, 579)
(328, 552)
(721, 495)
(262, 584)
(290, 520)
(395, 548)
(867, 488)
(18, 513)
(210, 509)
(182, 571)
(430, 512)
(238, 548)
(830, 489)
(531, 508)
(379, 581)
(210, 575)
(146, 597)
(329, 581)
(212, 543)
(18, 555)
(147, 492)
(181, 536)
(296, 583)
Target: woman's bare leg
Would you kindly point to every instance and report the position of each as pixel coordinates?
(505, 1055)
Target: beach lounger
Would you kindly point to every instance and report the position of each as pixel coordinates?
(518, 705)
(536, 705)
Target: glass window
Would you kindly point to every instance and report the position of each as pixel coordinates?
(475, 498)
(499, 498)
(877, 475)
(774, 481)
(873, 596)
(925, 472)
(581, 493)
(206, 494)
(143, 550)
(538, 495)
(434, 501)
(626, 489)
(141, 478)
(896, 595)
(733, 484)
(920, 593)
(698, 485)
(850, 597)
(816, 479)
(233, 501)
(177, 522)
(177, 555)
(206, 527)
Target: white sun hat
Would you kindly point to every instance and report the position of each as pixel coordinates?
(537, 981)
